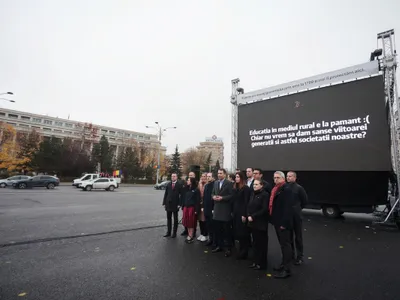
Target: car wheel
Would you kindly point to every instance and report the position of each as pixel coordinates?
(50, 186)
(88, 188)
(331, 211)
(111, 188)
(3, 185)
(22, 186)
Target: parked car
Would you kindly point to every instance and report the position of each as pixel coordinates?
(161, 185)
(10, 180)
(108, 184)
(47, 181)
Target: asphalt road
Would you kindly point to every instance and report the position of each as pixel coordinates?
(108, 245)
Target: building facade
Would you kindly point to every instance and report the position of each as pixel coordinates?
(215, 145)
(86, 133)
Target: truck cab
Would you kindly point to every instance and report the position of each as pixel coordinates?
(86, 177)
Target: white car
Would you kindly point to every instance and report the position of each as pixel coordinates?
(10, 180)
(86, 177)
(108, 184)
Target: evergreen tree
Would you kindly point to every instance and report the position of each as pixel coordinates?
(216, 168)
(131, 164)
(49, 156)
(175, 164)
(102, 154)
(207, 163)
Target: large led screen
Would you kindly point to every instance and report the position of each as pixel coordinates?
(337, 128)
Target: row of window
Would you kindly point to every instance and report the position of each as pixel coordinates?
(69, 125)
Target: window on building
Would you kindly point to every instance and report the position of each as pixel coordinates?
(67, 132)
(69, 125)
(13, 124)
(12, 116)
(48, 122)
(112, 132)
(140, 137)
(24, 125)
(127, 134)
(46, 129)
(37, 120)
(2, 114)
(57, 130)
(35, 127)
(25, 118)
(58, 123)
(104, 131)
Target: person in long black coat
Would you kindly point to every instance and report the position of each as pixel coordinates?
(172, 202)
(240, 200)
(257, 218)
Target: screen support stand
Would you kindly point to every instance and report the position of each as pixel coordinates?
(235, 93)
(389, 65)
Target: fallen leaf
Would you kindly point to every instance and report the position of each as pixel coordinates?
(367, 227)
(8, 262)
(305, 229)
(205, 251)
(358, 239)
(133, 268)
(269, 275)
(22, 294)
(341, 247)
(309, 257)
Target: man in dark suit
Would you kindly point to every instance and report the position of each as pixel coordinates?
(222, 195)
(258, 175)
(172, 202)
(250, 177)
(208, 204)
(300, 201)
(281, 216)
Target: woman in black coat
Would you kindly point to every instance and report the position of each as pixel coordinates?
(240, 200)
(257, 217)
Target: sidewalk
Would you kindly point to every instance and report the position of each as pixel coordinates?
(121, 185)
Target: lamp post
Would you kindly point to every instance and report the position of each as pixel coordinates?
(160, 130)
(7, 93)
(5, 99)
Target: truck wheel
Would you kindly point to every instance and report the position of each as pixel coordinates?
(331, 211)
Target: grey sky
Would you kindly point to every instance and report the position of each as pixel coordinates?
(129, 63)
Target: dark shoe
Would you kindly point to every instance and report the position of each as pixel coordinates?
(215, 250)
(228, 253)
(173, 235)
(252, 266)
(278, 269)
(167, 235)
(298, 262)
(189, 241)
(283, 274)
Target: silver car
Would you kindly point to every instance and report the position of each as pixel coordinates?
(10, 180)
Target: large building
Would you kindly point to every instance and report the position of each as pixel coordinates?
(215, 145)
(87, 133)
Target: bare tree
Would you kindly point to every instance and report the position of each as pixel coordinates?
(193, 156)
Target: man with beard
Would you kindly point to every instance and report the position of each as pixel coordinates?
(300, 201)
(258, 175)
(172, 202)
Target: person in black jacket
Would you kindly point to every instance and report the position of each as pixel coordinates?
(240, 200)
(184, 189)
(191, 208)
(300, 201)
(257, 220)
(208, 206)
(281, 215)
(172, 203)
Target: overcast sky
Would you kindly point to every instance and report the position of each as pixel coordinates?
(127, 64)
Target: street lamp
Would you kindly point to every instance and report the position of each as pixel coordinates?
(8, 93)
(160, 131)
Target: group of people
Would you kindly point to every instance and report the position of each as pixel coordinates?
(239, 207)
